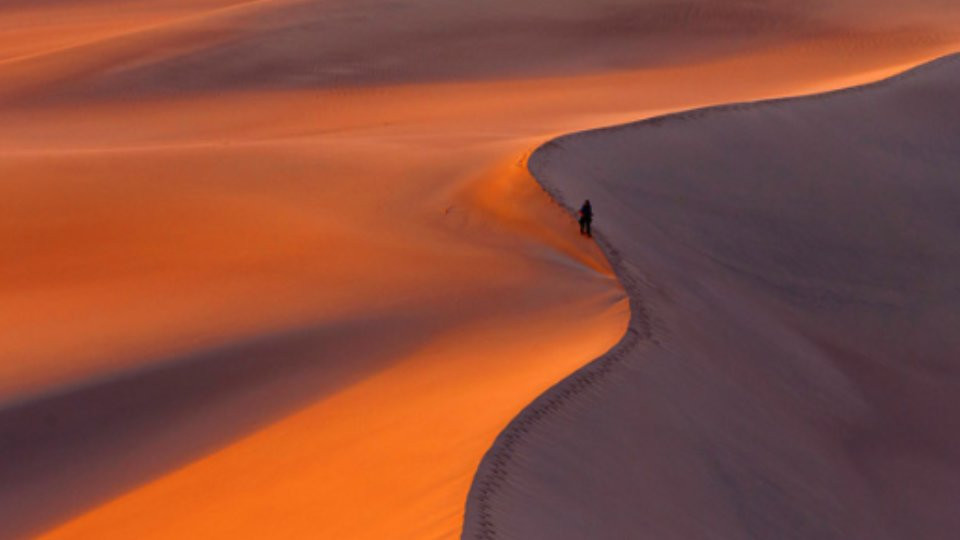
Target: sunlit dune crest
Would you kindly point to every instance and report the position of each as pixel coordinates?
(277, 268)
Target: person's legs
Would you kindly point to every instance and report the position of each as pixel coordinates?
(588, 222)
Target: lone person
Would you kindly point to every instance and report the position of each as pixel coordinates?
(586, 217)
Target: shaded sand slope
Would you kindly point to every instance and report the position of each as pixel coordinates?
(792, 365)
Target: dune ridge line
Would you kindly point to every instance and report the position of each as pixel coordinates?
(480, 519)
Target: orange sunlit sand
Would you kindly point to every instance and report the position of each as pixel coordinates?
(277, 268)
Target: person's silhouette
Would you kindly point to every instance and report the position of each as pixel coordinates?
(586, 218)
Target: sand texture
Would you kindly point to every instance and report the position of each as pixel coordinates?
(791, 369)
(278, 269)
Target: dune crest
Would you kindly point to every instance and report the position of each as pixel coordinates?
(792, 348)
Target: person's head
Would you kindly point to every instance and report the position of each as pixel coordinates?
(586, 202)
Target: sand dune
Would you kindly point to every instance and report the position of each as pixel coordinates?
(281, 260)
(280, 44)
(792, 356)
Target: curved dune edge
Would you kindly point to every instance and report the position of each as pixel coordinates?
(479, 518)
(494, 470)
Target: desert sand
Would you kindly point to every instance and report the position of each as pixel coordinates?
(791, 369)
(278, 268)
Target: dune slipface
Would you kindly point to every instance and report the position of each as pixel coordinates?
(792, 365)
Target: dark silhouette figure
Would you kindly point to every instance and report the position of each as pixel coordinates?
(586, 218)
